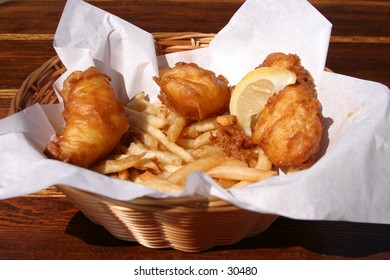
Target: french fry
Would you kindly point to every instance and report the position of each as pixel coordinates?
(203, 139)
(240, 173)
(205, 125)
(205, 150)
(157, 122)
(123, 174)
(189, 132)
(162, 138)
(263, 162)
(162, 185)
(147, 176)
(226, 120)
(146, 139)
(241, 184)
(186, 143)
(116, 165)
(170, 167)
(148, 164)
(202, 164)
(162, 111)
(235, 162)
(227, 183)
(140, 96)
(176, 128)
(139, 102)
(164, 156)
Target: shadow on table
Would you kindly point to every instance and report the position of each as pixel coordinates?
(342, 239)
(310, 238)
(80, 226)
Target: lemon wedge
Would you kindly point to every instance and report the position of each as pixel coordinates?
(251, 93)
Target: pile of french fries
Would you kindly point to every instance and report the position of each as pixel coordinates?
(167, 148)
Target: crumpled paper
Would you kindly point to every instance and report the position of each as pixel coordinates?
(348, 183)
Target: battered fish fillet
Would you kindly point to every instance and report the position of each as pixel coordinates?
(194, 92)
(95, 119)
(289, 129)
(290, 62)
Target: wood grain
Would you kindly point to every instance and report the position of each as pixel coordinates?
(57, 230)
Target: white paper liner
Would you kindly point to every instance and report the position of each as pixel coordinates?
(348, 183)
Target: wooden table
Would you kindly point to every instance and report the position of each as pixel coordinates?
(46, 225)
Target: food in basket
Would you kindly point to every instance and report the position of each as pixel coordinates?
(95, 119)
(194, 92)
(159, 145)
(173, 149)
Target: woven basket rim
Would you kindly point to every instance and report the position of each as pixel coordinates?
(193, 203)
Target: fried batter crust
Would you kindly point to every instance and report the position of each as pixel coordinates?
(291, 62)
(95, 119)
(194, 92)
(234, 142)
(289, 129)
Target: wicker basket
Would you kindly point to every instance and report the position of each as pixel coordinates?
(190, 224)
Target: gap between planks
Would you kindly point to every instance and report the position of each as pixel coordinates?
(334, 39)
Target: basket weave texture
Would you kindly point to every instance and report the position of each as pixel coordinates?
(192, 223)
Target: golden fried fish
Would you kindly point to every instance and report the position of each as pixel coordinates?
(289, 128)
(194, 92)
(95, 119)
